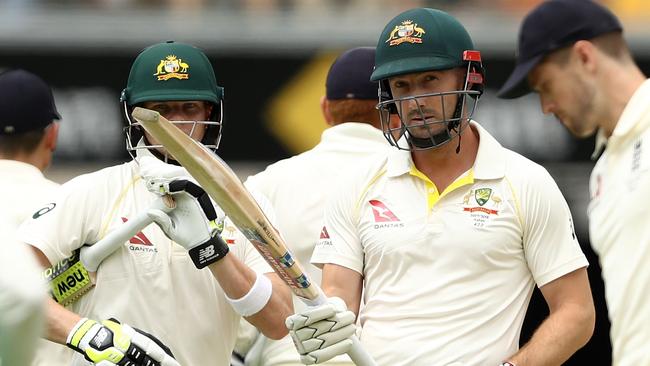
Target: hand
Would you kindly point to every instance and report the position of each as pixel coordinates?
(322, 332)
(118, 344)
(192, 223)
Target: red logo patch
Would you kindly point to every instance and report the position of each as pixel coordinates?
(381, 212)
(138, 238)
(324, 234)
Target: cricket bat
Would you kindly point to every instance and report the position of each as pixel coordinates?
(227, 190)
(73, 277)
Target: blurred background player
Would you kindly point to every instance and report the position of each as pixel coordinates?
(22, 299)
(573, 54)
(151, 282)
(446, 235)
(29, 130)
(298, 187)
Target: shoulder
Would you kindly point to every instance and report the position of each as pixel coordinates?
(112, 177)
(523, 171)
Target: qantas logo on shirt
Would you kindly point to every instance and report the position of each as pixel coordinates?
(324, 234)
(140, 243)
(384, 217)
(138, 238)
(324, 237)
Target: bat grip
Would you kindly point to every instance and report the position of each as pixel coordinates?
(357, 353)
(92, 256)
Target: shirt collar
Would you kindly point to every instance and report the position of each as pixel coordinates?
(19, 167)
(490, 160)
(635, 115)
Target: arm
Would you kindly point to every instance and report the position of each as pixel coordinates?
(342, 282)
(108, 343)
(569, 325)
(236, 280)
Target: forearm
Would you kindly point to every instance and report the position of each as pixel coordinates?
(236, 280)
(557, 338)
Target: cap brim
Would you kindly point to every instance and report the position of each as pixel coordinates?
(517, 84)
(411, 65)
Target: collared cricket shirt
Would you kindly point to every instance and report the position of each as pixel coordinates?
(449, 275)
(620, 231)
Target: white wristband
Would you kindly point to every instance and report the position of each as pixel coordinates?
(256, 298)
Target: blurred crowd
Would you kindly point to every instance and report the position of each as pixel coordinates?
(626, 8)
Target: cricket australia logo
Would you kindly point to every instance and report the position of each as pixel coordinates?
(482, 195)
(405, 32)
(172, 67)
(483, 207)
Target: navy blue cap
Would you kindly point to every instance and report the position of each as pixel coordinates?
(26, 103)
(553, 25)
(349, 75)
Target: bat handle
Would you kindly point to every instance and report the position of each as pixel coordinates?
(92, 256)
(357, 353)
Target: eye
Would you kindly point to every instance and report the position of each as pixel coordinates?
(430, 77)
(399, 84)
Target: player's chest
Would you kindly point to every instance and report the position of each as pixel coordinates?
(473, 220)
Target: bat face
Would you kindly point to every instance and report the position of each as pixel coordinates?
(225, 188)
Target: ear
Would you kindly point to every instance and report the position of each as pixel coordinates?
(208, 111)
(325, 109)
(51, 136)
(586, 54)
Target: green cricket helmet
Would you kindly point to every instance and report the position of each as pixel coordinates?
(420, 40)
(172, 71)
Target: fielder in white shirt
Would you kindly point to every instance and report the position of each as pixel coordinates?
(28, 137)
(22, 299)
(150, 282)
(447, 235)
(591, 83)
(298, 187)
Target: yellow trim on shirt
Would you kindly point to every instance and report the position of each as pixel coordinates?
(432, 191)
(517, 204)
(366, 189)
(119, 200)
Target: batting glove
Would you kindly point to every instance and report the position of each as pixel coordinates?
(112, 343)
(322, 332)
(192, 223)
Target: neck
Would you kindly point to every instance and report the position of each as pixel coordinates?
(443, 165)
(618, 92)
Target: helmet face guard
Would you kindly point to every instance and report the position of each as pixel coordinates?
(135, 132)
(430, 128)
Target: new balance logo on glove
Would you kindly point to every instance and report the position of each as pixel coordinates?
(206, 253)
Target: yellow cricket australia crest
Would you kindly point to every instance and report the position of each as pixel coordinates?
(405, 32)
(172, 67)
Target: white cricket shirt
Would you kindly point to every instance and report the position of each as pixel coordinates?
(26, 191)
(22, 298)
(150, 282)
(298, 189)
(620, 231)
(449, 275)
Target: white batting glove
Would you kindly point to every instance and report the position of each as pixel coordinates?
(322, 332)
(192, 223)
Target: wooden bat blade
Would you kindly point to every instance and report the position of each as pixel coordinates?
(223, 185)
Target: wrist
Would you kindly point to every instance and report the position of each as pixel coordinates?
(209, 252)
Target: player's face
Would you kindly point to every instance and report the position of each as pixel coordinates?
(566, 94)
(419, 109)
(187, 112)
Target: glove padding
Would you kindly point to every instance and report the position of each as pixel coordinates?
(192, 223)
(322, 332)
(112, 343)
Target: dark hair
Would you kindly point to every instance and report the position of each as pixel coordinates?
(11, 145)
